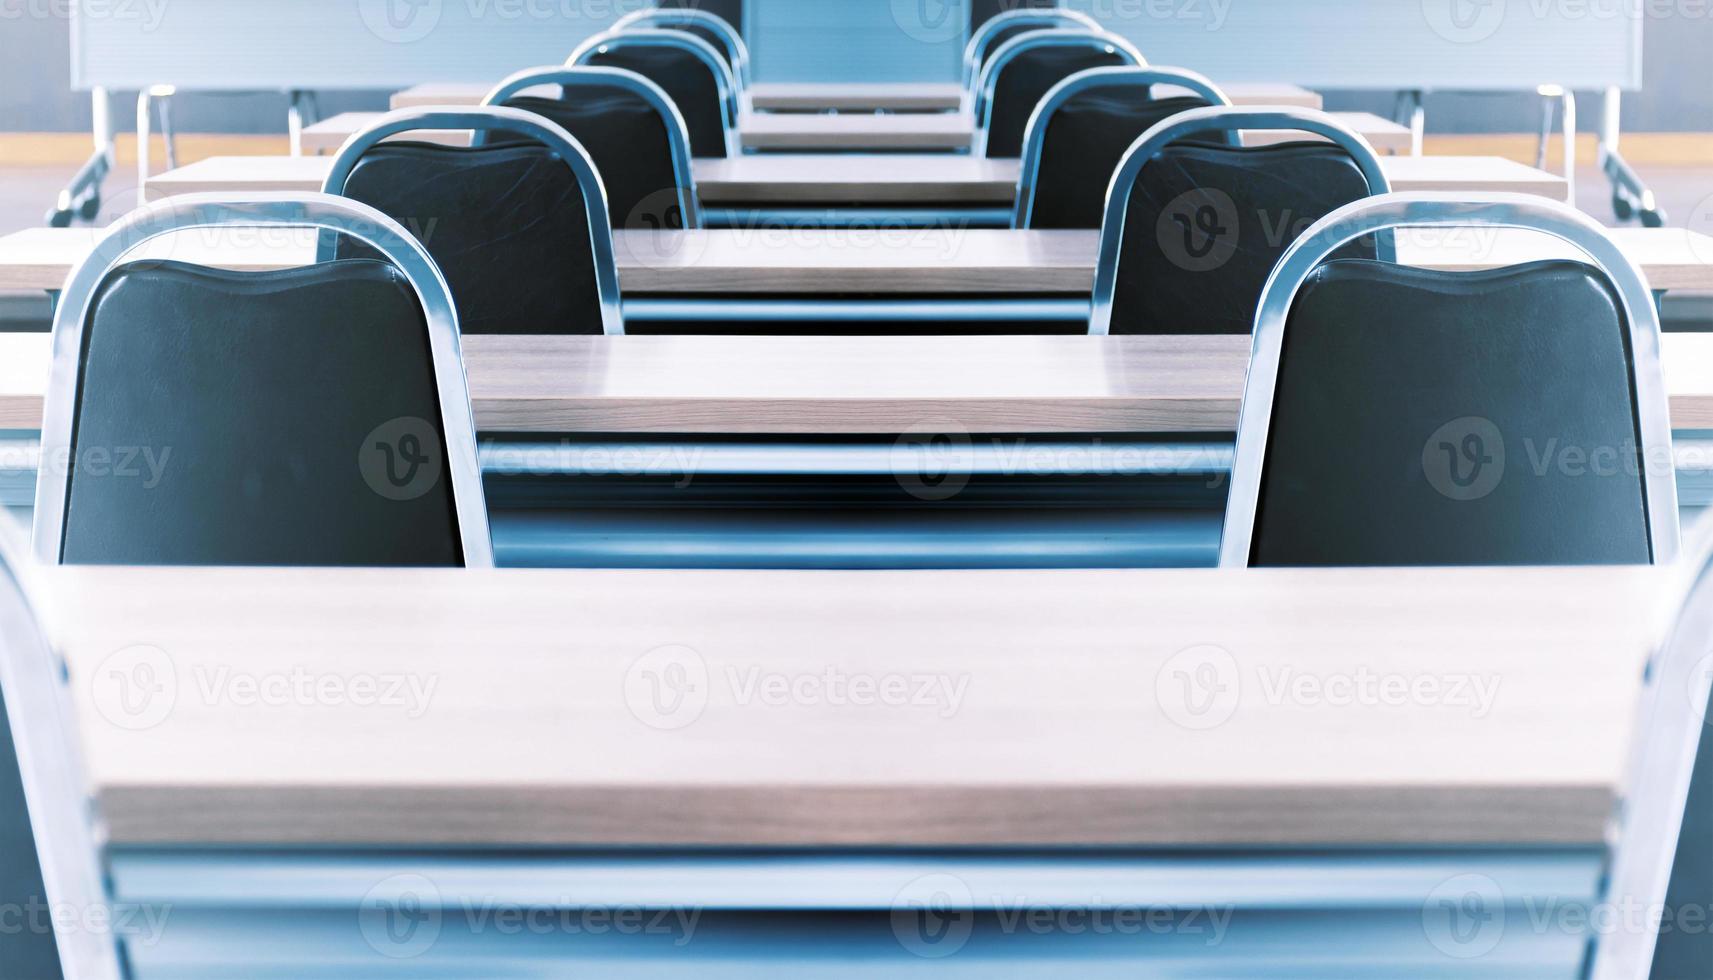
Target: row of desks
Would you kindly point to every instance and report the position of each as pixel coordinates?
(863, 180)
(919, 132)
(1040, 709)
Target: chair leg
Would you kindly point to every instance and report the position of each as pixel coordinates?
(1630, 196)
(81, 198)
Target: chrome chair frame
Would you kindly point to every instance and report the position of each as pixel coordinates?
(736, 50)
(322, 211)
(68, 832)
(1010, 50)
(481, 120)
(1430, 209)
(1647, 824)
(1035, 136)
(1045, 18)
(727, 84)
(1231, 119)
(677, 133)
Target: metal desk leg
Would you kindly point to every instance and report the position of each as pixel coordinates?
(303, 111)
(1410, 112)
(82, 197)
(1567, 99)
(1630, 197)
(145, 104)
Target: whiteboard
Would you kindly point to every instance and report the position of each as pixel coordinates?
(1330, 44)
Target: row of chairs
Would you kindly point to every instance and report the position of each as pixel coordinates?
(1356, 361)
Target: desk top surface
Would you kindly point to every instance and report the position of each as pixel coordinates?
(851, 131)
(878, 260)
(818, 386)
(923, 178)
(463, 708)
(848, 96)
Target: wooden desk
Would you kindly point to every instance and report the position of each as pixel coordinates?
(936, 180)
(899, 262)
(818, 386)
(920, 132)
(1054, 711)
(845, 97)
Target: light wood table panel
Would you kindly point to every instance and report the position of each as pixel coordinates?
(895, 261)
(1038, 708)
(849, 97)
(900, 179)
(817, 386)
(921, 132)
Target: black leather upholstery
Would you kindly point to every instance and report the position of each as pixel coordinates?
(1434, 418)
(1687, 952)
(730, 11)
(27, 952)
(1024, 80)
(1182, 270)
(688, 81)
(223, 419)
(626, 138)
(1086, 140)
(506, 223)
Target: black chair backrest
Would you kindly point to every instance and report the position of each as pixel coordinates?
(627, 140)
(506, 223)
(730, 11)
(1688, 952)
(686, 79)
(243, 407)
(1207, 222)
(1418, 416)
(1086, 138)
(1025, 79)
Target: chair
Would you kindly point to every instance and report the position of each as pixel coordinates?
(715, 30)
(1160, 271)
(312, 416)
(1025, 69)
(1081, 130)
(1401, 416)
(688, 69)
(520, 228)
(988, 33)
(1662, 830)
(49, 851)
(630, 129)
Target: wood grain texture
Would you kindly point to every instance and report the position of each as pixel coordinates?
(1070, 728)
(862, 179)
(879, 261)
(857, 385)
